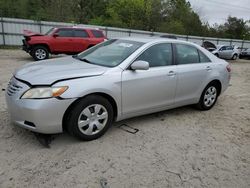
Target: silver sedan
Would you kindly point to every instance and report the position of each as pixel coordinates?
(115, 80)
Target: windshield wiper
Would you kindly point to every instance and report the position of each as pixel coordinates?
(85, 60)
(75, 56)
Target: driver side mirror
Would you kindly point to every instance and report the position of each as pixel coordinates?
(55, 35)
(140, 65)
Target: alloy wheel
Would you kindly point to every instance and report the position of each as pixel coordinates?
(210, 96)
(40, 54)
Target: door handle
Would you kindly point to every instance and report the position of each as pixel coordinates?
(171, 73)
(208, 68)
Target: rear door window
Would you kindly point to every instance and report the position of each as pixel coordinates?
(186, 54)
(97, 34)
(230, 48)
(81, 33)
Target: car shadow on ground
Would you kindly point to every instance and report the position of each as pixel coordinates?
(136, 123)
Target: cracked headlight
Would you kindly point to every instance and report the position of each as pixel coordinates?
(44, 92)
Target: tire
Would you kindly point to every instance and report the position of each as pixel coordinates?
(217, 55)
(40, 53)
(208, 97)
(234, 57)
(85, 123)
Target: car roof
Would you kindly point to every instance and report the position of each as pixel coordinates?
(78, 27)
(150, 39)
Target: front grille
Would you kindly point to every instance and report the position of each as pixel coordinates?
(13, 87)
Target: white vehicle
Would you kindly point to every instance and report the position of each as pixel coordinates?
(112, 81)
(226, 52)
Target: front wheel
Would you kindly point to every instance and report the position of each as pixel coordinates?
(208, 97)
(234, 56)
(40, 53)
(90, 118)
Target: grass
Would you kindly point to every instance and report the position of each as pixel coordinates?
(10, 47)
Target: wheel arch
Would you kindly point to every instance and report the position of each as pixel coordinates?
(42, 44)
(104, 95)
(217, 83)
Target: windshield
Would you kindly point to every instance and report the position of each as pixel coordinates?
(110, 53)
(49, 32)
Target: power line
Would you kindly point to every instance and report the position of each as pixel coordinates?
(228, 5)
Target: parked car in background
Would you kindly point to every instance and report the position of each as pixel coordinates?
(245, 54)
(226, 52)
(112, 81)
(63, 40)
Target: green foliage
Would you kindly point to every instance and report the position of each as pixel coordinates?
(171, 16)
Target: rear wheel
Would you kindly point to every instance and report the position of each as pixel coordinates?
(40, 53)
(208, 97)
(90, 118)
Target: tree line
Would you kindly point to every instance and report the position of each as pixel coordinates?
(171, 16)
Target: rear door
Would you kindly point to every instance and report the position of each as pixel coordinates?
(63, 40)
(81, 40)
(193, 70)
(226, 52)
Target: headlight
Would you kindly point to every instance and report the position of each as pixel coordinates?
(44, 92)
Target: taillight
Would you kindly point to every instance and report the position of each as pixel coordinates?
(229, 69)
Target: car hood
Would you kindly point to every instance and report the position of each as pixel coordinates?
(49, 71)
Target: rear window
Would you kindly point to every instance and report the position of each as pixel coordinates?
(97, 34)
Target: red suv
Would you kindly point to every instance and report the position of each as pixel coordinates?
(63, 40)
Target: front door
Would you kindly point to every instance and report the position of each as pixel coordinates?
(146, 90)
(62, 42)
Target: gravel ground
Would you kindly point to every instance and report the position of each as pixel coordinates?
(176, 148)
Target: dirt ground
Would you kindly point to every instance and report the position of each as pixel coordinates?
(177, 148)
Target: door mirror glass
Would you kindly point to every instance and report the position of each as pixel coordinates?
(140, 65)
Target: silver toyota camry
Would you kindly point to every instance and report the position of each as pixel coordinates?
(115, 80)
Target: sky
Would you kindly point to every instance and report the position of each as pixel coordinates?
(217, 11)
